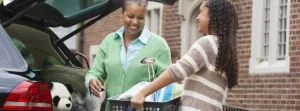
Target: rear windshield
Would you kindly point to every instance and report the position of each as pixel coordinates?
(71, 7)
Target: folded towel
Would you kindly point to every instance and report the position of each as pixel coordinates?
(165, 93)
(134, 90)
(162, 95)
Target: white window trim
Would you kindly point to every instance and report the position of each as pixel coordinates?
(185, 11)
(272, 65)
(93, 51)
(151, 7)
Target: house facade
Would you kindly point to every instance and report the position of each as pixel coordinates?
(268, 43)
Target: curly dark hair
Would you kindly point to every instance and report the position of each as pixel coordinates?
(223, 23)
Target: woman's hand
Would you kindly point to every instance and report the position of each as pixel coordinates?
(95, 87)
(137, 101)
(163, 80)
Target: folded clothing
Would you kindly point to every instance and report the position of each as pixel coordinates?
(162, 95)
(134, 90)
(165, 93)
(177, 90)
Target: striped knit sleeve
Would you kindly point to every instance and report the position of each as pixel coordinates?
(201, 55)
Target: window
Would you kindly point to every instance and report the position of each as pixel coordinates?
(154, 17)
(269, 47)
(265, 47)
(24, 52)
(43, 60)
(93, 51)
(282, 30)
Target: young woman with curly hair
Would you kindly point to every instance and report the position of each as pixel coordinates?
(211, 64)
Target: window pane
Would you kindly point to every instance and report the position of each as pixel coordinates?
(281, 11)
(153, 20)
(265, 52)
(285, 10)
(157, 12)
(284, 23)
(282, 30)
(284, 37)
(284, 49)
(280, 25)
(148, 19)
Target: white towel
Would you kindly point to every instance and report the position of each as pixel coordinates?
(134, 90)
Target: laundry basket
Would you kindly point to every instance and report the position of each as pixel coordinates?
(123, 105)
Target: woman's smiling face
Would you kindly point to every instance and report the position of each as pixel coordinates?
(134, 19)
(203, 18)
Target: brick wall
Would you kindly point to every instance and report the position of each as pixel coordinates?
(295, 36)
(171, 26)
(266, 92)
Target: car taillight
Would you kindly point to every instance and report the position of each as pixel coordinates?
(29, 96)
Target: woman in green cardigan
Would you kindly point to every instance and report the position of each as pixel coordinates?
(118, 61)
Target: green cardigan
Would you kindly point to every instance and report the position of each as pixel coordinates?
(108, 67)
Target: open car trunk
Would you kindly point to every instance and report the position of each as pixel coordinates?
(64, 13)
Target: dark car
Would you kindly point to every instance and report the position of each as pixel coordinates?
(27, 23)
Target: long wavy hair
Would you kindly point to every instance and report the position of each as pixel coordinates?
(223, 23)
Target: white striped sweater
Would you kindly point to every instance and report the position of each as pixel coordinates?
(203, 88)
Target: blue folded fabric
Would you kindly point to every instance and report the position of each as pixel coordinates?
(130, 109)
(165, 93)
(162, 95)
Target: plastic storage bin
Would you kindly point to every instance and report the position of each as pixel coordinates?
(123, 105)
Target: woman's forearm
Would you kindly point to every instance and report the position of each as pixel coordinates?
(163, 80)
